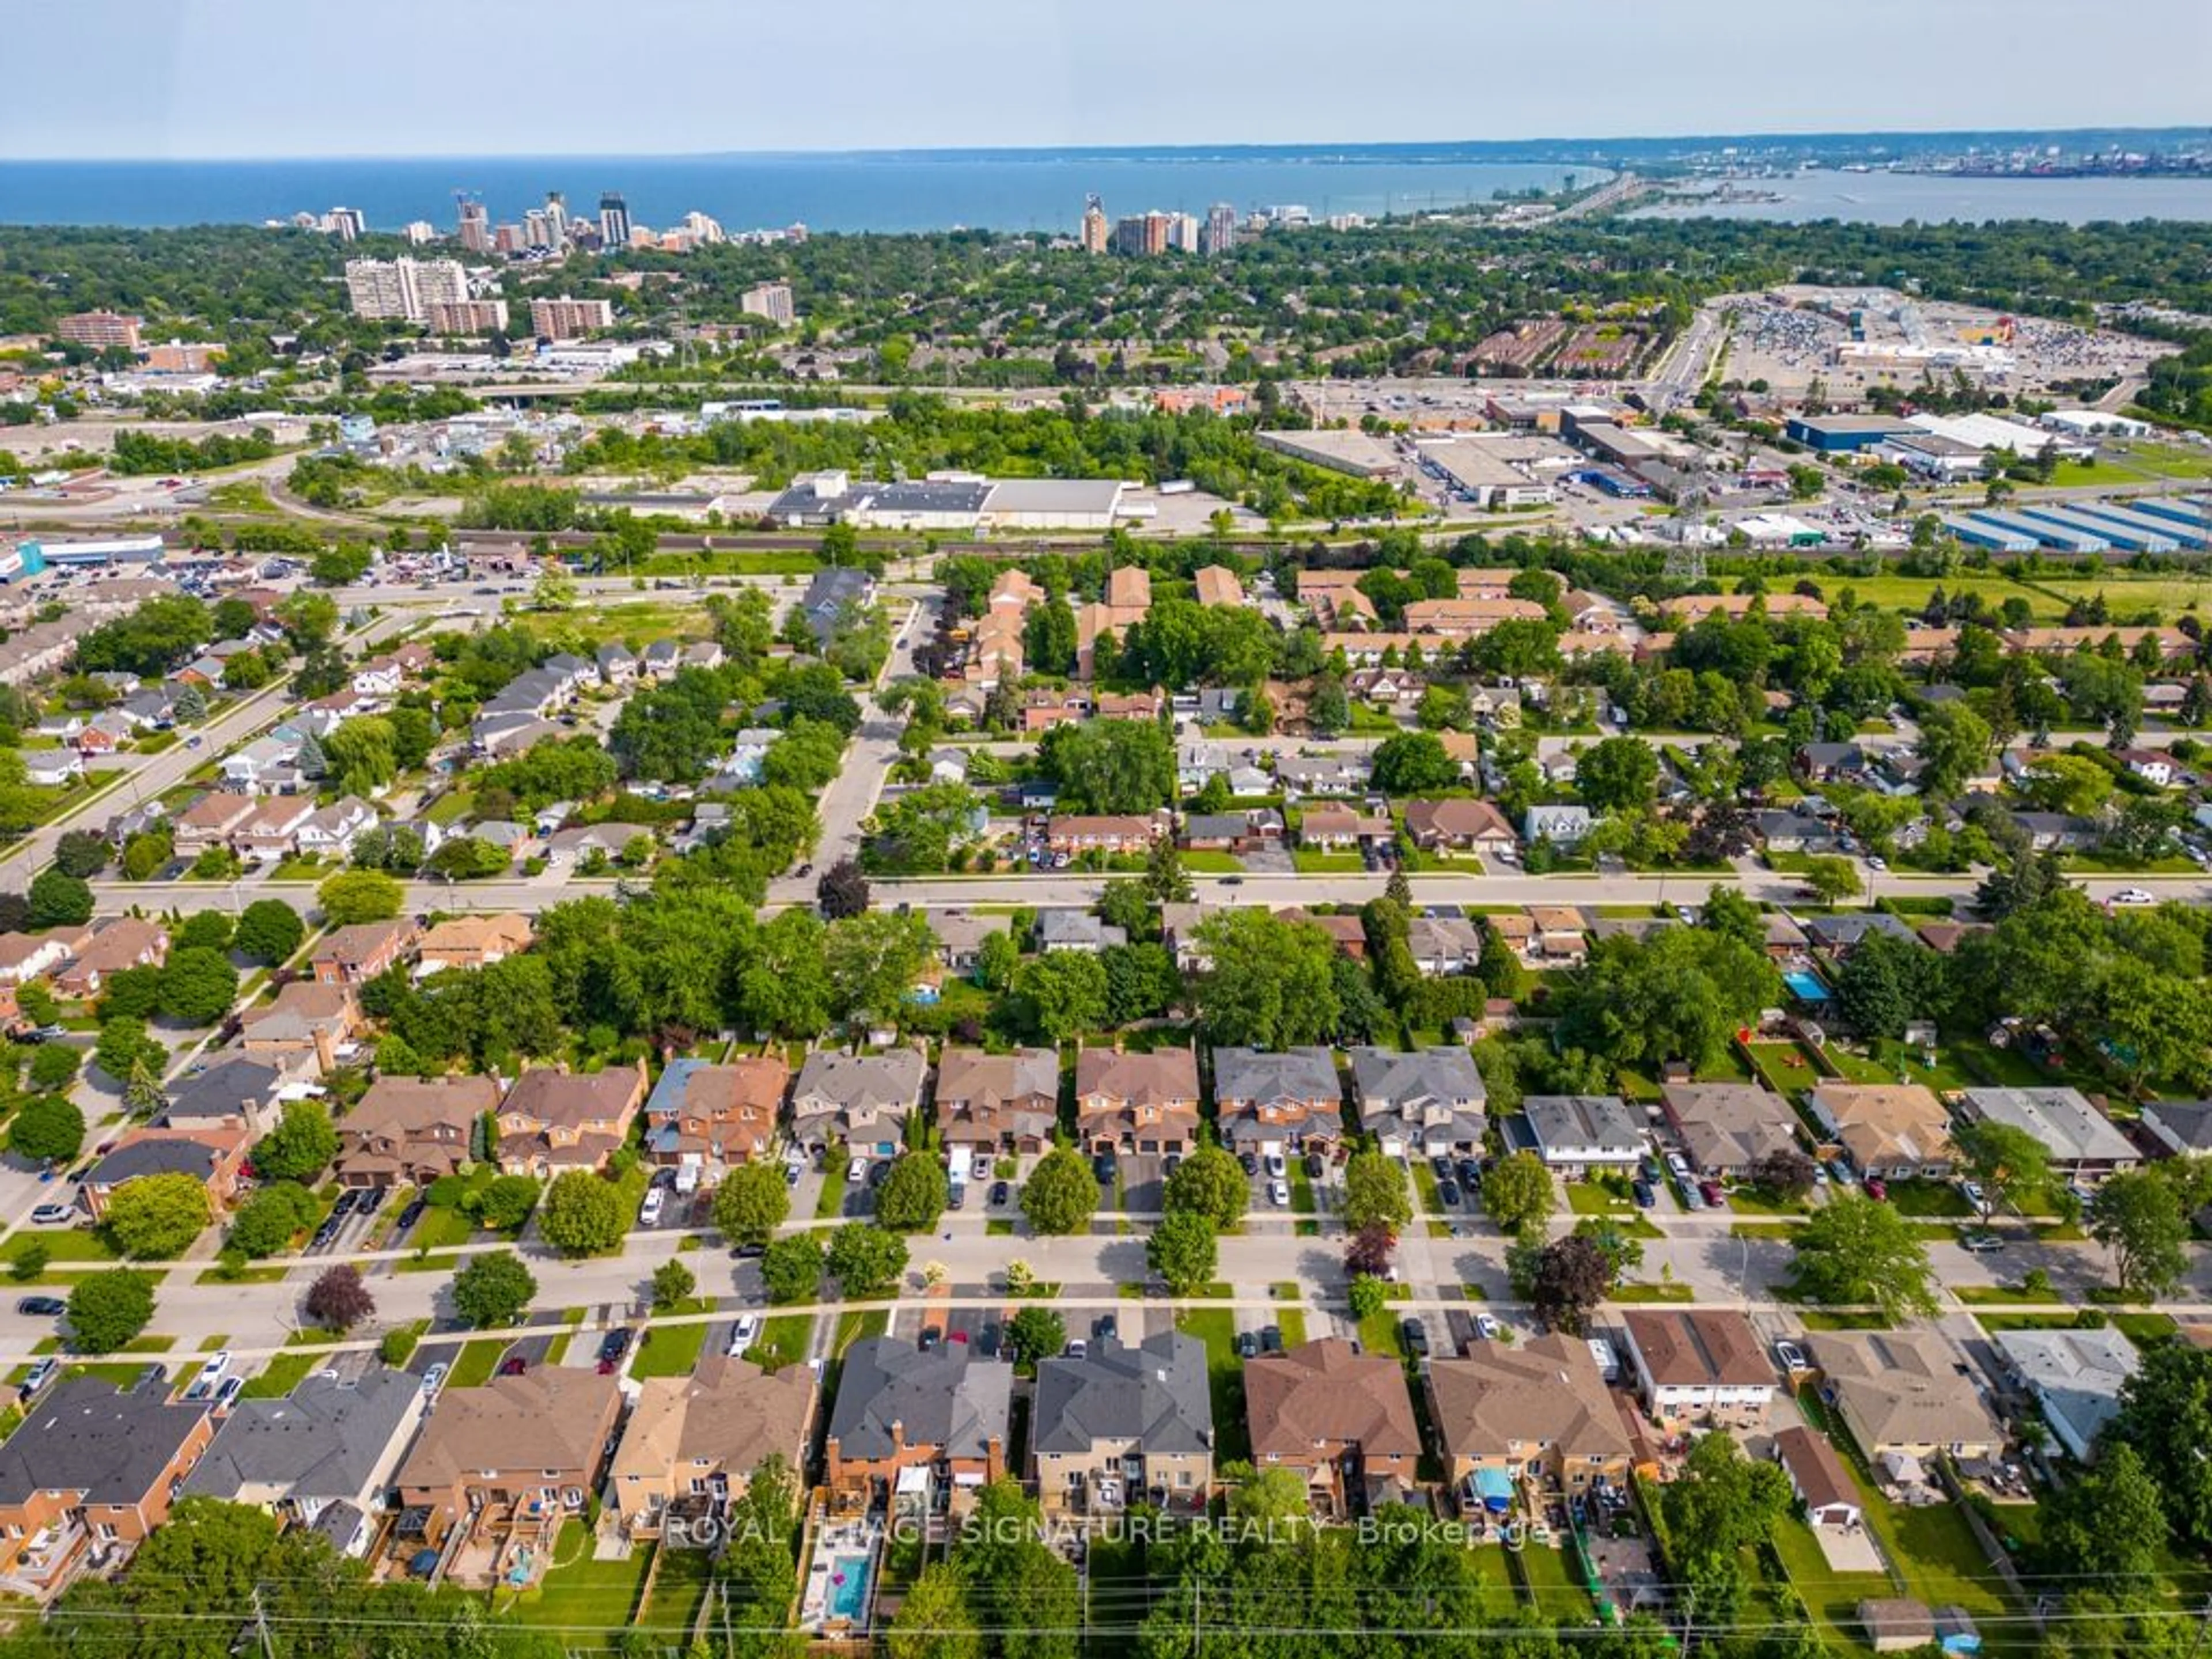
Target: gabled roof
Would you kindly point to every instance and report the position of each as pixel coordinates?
(402, 1106)
(1904, 1388)
(1160, 1077)
(869, 1084)
(728, 1414)
(1701, 1348)
(230, 1088)
(1262, 1077)
(1725, 1126)
(941, 1397)
(324, 1440)
(1545, 1391)
(1325, 1394)
(89, 1438)
(2062, 1119)
(1385, 1078)
(1154, 1394)
(553, 1418)
(1577, 1120)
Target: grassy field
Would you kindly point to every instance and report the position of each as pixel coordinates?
(783, 1340)
(477, 1363)
(1832, 1598)
(679, 1588)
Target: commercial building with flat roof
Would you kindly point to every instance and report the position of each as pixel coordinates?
(1352, 452)
(1844, 435)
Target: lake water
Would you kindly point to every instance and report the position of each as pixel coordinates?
(1891, 198)
(1003, 189)
(1023, 191)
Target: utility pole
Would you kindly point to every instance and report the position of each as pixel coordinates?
(261, 1626)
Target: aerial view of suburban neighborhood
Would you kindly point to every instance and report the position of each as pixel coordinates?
(1475, 925)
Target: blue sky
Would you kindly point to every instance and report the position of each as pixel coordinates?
(215, 78)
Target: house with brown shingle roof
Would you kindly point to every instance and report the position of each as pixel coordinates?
(1703, 1366)
(1905, 1394)
(1727, 1127)
(1461, 823)
(411, 1131)
(553, 1120)
(305, 1027)
(209, 821)
(988, 1103)
(1891, 1131)
(1338, 1417)
(121, 943)
(513, 1458)
(693, 1442)
(1538, 1411)
(1818, 1478)
(358, 954)
(1217, 584)
(716, 1115)
(1137, 1103)
(472, 942)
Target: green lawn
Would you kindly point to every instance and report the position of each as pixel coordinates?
(679, 1588)
(1224, 1374)
(440, 1229)
(783, 1340)
(1641, 1291)
(477, 1363)
(1832, 1598)
(1315, 862)
(1785, 1066)
(62, 1243)
(1209, 863)
(1600, 1196)
(671, 1350)
(831, 1203)
(1928, 1197)
(279, 1376)
(1551, 1585)
(589, 1602)
(1378, 1333)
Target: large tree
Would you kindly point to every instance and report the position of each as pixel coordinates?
(492, 1290)
(1955, 745)
(1518, 1192)
(108, 1310)
(1062, 1193)
(2137, 1215)
(1617, 774)
(1572, 1276)
(2007, 1163)
(301, 1147)
(1181, 1250)
(157, 1217)
(913, 1195)
(2165, 1417)
(584, 1215)
(1208, 1183)
(873, 961)
(1412, 763)
(1681, 993)
(866, 1261)
(753, 1201)
(1858, 1251)
(1374, 1192)
(338, 1300)
(1270, 983)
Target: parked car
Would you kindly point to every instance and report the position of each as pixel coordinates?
(1105, 1328)
(435, 1379)
(1250, 1162)
(1980, 1243)
(1710, 1192)
(1487, 1328)
(1101, 1165)
(1447, 1193)
(1247, 1344)
(53, 1215)
(1646, 1198)
(856, 1172)
(2133, 896)
(981, 1169)
(612, 1348)
(1972, 1191)
(1876, 1188)
(231, 1389)
(648, 1213)
(744, 1333)
(1276, 1169)
(1271, 1339)
(1440, 1167)
(1279, 1195)
(1791, 1357)
(513, 1365)
(1317, 1166)
(42, 1307)
(39, 1375)
(214, 1366)
(1414, 1336)
(998, 1191)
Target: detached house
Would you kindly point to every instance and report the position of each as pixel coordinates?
(1904, 1396)
(211, 1156)
(209, 822)
(1342, 1419)
(411, 1131)
(1892, 1132)
(1727, 1127)
(1577, 1133)
(309, 1027)
(1137, 1103)
(358, 954)
(92, 1468)
(989, 1103)
(555, 1119)
(1459, 826)
(472, 942)
(716, 1117)
(1121, 1426)
(1276, 1104)
(121, 943)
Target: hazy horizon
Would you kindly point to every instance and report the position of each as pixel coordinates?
(265, 79)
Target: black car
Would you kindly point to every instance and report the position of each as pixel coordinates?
(613, 1346)
(931, 1336)
(1271, 1339)
(42, 1307)
(1447, 1193)
(1316, 1166)
(959, 1197)
(1470, 1173)
(877, 1170)
(1647, 1169)
(1646, 1198)
(1250, 1162)
(412, 1213)
(1103, 1167)
(1247, 1344)
(1440, 1167)
(1414, 1336)
(1105, 1328)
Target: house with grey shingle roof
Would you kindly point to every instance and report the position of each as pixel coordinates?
(1419, 1104)
(1124, 1424)
(901, 1408)
(329, 1441)
(862, 1100)
(1273, 1102)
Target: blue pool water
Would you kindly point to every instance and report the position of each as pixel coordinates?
(1805, 987)
(848, 1587)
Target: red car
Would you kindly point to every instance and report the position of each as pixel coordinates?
(514, 1366)
(1876, 1187)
